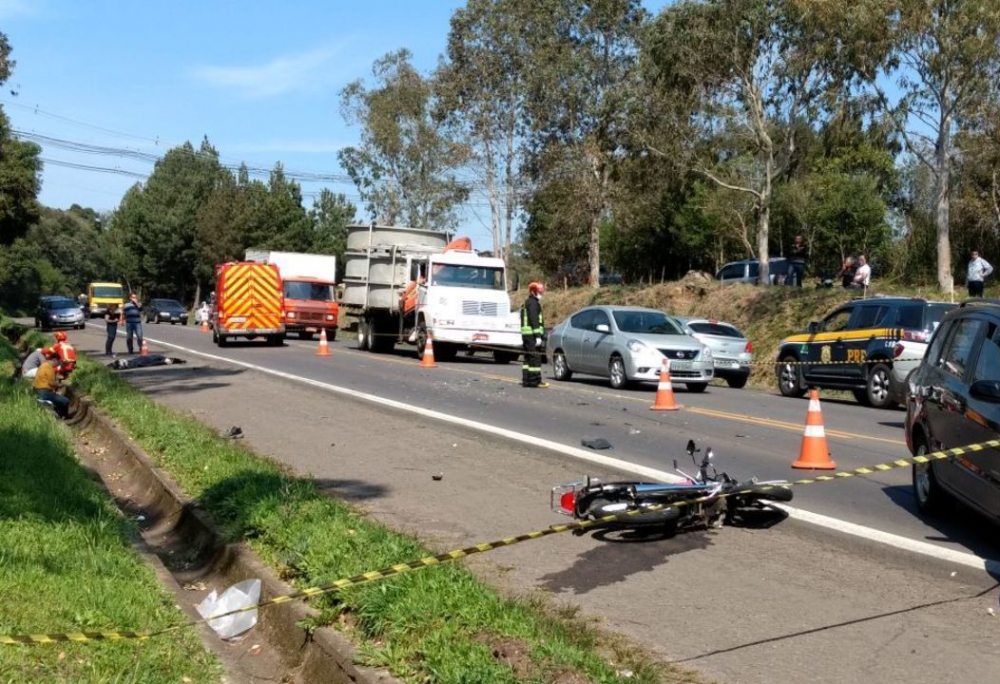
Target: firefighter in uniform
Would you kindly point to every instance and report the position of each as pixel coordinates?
(533, 337)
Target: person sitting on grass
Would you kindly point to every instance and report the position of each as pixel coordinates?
(48, 383)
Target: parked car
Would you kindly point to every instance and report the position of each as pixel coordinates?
(954, 400)
(732, 352)
(748, 271)
(170, 310)
(57, 311)
(867, 346)
(626, 344)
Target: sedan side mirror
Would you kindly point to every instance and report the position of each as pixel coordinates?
(985, 390)
(603, 328)
(815, 326)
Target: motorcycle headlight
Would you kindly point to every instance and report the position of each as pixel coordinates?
(635, 346)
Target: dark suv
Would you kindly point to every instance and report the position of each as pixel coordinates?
(954, 400)
(867, 346)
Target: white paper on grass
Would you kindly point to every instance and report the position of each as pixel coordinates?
(241, 595)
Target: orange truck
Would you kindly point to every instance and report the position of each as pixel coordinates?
(247, 303)
(310, 290)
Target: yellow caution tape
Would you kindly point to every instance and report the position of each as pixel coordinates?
(457, 554)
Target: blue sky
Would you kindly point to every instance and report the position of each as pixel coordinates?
(260, 78)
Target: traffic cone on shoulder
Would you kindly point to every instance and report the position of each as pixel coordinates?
(144, 349)
(665, 391)
(204, 325)
(815, 453)
(324, 347)
(428, 359)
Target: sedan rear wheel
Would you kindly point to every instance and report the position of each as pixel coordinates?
(926, 490)
(616, 373)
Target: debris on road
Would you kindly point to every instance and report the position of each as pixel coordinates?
(598, 443)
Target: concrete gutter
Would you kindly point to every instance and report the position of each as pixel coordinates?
(184, 537)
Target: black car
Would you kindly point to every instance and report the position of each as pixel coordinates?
(170, 310)
(954, 400)
(57, 311)
(857, 348)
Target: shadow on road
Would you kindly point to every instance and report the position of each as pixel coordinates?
(835, 625)
(957, 525)
(167, 380)
(609, 563)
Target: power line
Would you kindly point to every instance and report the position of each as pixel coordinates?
(74, 122)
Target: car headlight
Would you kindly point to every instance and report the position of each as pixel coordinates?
(635, 346)
(706, 354)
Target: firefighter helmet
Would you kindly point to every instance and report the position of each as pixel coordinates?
(536, 287)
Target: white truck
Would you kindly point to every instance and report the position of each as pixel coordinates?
(403, 283)
(309, 289)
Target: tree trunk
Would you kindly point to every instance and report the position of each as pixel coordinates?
(594, 253)
(764, 222)
(942, 192)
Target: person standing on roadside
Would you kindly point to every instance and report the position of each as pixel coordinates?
(797, 262)
(863, 276)
(132, 313)
(111, 319)
(979, 268)
(532, 337)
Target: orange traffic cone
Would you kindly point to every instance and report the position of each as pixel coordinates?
(814, 454)
(665, 391)
(204, 325)
(428, 360)
(324, 347)
(144, 349)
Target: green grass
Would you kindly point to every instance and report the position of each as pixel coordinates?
(435, 625)
(66, 564)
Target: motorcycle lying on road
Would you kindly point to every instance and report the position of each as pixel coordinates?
(709, 499)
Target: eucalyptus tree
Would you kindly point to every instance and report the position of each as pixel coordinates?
(406, 165)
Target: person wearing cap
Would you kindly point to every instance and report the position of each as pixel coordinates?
(533, 337)
(34, 361)
(132, 313)
(47, 383)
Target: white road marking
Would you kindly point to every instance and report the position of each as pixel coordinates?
(967, 559)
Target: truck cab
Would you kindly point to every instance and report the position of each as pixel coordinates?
(310, 306)
(464, 303)
(102, 295)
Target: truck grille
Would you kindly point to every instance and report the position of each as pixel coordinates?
(472, 308)
(310, 316)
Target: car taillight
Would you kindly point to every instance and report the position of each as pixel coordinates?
(915, 335)
(749, 348)
(898, 350)
(568, 501)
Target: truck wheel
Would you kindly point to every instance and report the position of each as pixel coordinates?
(331, 334)
(421, 340)
(363, 334)
(445, 352)
(503, 357)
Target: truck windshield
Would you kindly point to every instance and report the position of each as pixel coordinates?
(111, 291)
(316, 292)
(480, 277)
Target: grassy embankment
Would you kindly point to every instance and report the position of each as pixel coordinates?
(441, 624)
(765, 315)
(66, 563)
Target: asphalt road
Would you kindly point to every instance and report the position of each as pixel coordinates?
(751, 432)
(778, 602)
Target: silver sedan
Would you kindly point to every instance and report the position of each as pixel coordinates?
(732, 351)
(626, 344)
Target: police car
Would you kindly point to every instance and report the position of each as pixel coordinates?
(866, 346)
